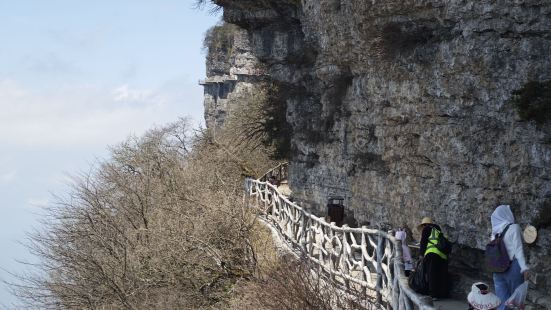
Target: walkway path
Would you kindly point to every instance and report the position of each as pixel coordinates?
(359, 257)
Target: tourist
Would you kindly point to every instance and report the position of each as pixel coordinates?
(406, 254)
(506, 282)
(435, 262)
(480, 298)
(272, 180)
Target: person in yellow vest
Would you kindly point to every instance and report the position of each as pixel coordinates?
(435, 263)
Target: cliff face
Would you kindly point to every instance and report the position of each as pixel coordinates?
(405, 108)
(232, 70)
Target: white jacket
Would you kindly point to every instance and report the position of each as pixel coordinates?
(513, 243)
(501, 217)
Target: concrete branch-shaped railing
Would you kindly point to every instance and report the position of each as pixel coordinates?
(279, 172)
(363, 257)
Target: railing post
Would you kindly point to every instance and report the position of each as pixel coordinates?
(332, 252)
(379, 250)
(312, 239)
(320, 249)
(303, 230)
(395, 288)
(398, 272)
(266, 193)
(345, 255)
(362, 261)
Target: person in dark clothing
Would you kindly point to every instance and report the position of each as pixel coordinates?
(435, 262)
(273, 180)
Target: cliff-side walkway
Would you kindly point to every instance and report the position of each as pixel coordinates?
(363, 258)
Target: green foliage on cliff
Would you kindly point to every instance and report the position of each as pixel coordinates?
(533, 101)
(219, 39)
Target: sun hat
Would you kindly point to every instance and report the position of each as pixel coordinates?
(530, 234)
(425, 220)
(481, 298)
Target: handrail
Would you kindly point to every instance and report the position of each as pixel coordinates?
(367, 258)
(280, 172)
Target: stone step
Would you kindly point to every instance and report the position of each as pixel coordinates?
(451, 304)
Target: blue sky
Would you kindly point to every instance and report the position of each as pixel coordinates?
(76, 77)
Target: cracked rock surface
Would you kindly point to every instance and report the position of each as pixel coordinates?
(404, 107)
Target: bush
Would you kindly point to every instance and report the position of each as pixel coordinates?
(211, 4)
(157, 226)
(292, 284)
(220, 39)
(258, 121)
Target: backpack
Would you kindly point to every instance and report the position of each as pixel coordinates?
(496, 257)
(418, 280)
(444, 245)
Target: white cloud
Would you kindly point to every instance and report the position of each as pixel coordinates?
(126, 94)
(74, 115)
(38, 202)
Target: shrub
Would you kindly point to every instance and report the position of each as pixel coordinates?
(258, 120)
(211, 4)
(293, 284)
(159, 225)
(220, 38)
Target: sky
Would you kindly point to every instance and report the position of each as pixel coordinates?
(77, 77)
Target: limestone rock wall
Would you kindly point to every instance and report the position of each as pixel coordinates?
(231, 71)
(404, 108)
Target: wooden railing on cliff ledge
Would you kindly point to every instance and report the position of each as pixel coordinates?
(364, 257)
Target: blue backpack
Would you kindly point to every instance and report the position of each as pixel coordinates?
(496, 257)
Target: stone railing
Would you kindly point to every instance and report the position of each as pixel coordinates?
(280, 172)
(365, 258)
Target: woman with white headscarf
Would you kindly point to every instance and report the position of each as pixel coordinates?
(406, 254)
(506, 282)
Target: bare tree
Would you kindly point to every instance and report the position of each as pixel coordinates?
(157, 225)
(293, 284)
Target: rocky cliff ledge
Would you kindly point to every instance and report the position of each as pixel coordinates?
(407, 108)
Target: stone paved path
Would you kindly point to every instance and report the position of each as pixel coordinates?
(450, 304)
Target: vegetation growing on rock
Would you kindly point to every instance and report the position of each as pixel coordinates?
(220, 38)
(259, 120)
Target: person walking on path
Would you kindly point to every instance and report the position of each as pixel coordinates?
(480, 298)
(506, 282)
(406, 253)
(435, 262)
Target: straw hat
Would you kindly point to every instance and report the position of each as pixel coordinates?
(481, 298)
(426, 220)
(530, 234)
